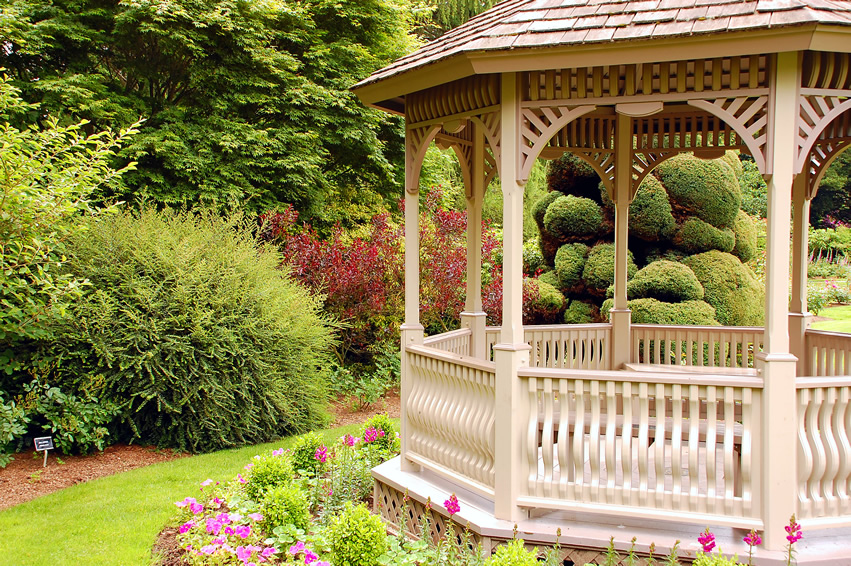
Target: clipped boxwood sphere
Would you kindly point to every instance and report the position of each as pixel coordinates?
(539, 209)
(745, 230)
(569, 263)
(650, 215)
(356, 537)
(573, 217)
(731, 158)
(599, 271)
(550, 278)
(695, 236)
(546, 304)
(572, 175)
(666, 281)
(707, 189)
(579, 312)
(692, 313)
(730, 287)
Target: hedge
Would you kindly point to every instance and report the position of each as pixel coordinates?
(666, 281)
(650, 215)
(652, 311)
(580, 312)
(730, 287)
(573, 176)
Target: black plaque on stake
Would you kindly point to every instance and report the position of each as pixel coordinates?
(43, 443)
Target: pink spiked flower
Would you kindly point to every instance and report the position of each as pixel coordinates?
(707, 541)
(451, 504)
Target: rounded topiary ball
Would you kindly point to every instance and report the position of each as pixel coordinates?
(356, 537)
(579, 312)
(551, 278)
(731, 158)
(573, 217)
(707, 189)
(652, 311)
(730, 287)
(569, 263)
(539, 209)
(695, 236)
(745, 229)
(546, 304)
(599, 270)
(666, 281)
(650, 215)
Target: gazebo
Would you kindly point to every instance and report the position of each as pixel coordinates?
(663, 430)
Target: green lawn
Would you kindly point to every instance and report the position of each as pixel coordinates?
(114, 521)
(841, 322)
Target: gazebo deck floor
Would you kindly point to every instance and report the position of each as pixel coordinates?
(585, 536)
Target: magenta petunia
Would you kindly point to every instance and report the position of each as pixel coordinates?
(196, 508)
(269, 552)
(240, 479)
(206, 482)
(296, 548)
(310, 557)
(185, 527)
(255, 516)
(243, 531)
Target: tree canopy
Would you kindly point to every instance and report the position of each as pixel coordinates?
(246, 103)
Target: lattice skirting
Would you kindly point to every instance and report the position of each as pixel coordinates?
(402, 510)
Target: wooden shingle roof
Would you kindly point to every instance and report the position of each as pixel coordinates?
(526, 24)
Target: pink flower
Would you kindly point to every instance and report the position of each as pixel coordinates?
(452, 506)
(185, 502)
(278, 452)
(240, 479)
(218, 540)
(209, 549)
(216, 502)
(196, 508)
(310, 556)
(186, 526)
(707, 540)
(794, 531)
(269, 552)
(243, 531)
(243, 553)
(255, 516)
(370, 435)
(349, 440)
(206, 482)
(752, 539)
(248, 466)
(223, 518)
(229, 530)
(213, 526)
(296, 548)
(321, 454)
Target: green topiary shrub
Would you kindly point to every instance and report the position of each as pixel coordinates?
(745, 229)
(550, 278)
(650, 215)
(356, 537)
(579, 312)
(285, 505)
(731, 158)
(572, 175)
(268, 472)
(304, 455)
(651, 311)
(573, 217)
(599, 270)
(702, 188)
(666, 281)
(696, 236)
(544, 303)
(569, 263)
(512, 554)
(539, 209)
(191, 327)
(730, 287)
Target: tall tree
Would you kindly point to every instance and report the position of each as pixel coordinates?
(448, 14)
(245, 102)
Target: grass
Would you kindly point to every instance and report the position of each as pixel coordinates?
(841, 322)
(115, 520)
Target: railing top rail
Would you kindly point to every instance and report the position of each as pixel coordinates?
(828, 334)
(436, 354)
(549, 327)
(827, 381)
(733, 329)
(447, 335)
(678, 378)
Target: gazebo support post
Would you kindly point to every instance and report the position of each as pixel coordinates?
(620, 314)
(512, 352)
(778, 486)
(473, 316)
(799, 318)
(412, 331)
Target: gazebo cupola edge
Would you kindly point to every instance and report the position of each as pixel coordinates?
(582, 418)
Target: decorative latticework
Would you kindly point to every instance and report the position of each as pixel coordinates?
(747, 116)
(457, 99)
(826, 70)
(539, 125)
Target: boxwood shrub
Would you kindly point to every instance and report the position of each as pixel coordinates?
(666, 281)
(569, 263)
(580, 312)
(194, 331)
(707, 189)
(730, 287)
(573, 217)
(571, 175)
(539, 209)
(652, 311)
(599, 270)
(650, 215)
(695, 236)
(745, 229)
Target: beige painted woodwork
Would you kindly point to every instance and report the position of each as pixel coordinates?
(590, 419)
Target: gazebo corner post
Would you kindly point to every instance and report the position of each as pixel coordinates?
(621, 316)
(473, 316)
(412, 332)
(778, 482)
(512, 352)
(799, 317)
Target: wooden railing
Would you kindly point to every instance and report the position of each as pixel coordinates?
(455, 341)
(450, 416)
(571, 346)
(714, 346)
(651, 445)
(824, 449)
(828, 353)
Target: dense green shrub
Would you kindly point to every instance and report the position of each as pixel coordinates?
(546, 302)
(652, 311)
(730, 287)
(650, 215)
(285, 505)
(731, 158)
(539, 210)
(512, 554)
(754, 190)
(666, 281)
(703, 188)
(268, 472)
(383, 423)
(580, 312)
(533, 257)
(550, 278)
(571, 175)
(599, 270)
(304, 454)
(356, 537)
(569, 264)
(573, 217)
(695, 236)
(194, 331)
(13, 425)
(745, 229)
